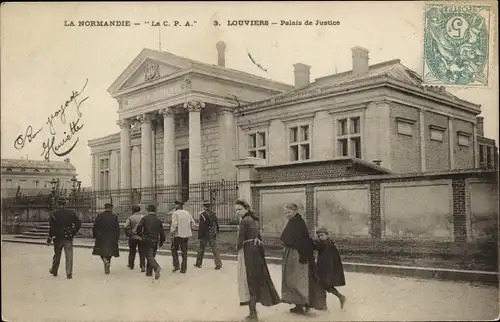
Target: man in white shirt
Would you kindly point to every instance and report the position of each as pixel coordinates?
(180, 230)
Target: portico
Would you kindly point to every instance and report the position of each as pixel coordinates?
(176, 119)
(149, 123)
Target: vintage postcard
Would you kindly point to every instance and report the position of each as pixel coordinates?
(249, 161)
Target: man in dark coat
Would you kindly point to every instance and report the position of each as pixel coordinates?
(208, 229)
(63, 226)
(106, 232)
(150, 229)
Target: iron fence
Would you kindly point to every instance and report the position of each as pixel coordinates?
(36, 205)
(220, 194)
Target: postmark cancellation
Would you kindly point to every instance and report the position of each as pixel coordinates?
(456, 44)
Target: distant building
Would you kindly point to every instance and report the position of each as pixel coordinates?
(33, 175)
(184, 122)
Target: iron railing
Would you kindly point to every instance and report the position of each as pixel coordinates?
(88, 203)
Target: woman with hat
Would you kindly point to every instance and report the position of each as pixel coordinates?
(207, 234)
(254, 281)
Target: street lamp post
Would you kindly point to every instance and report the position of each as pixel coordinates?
(74, 184)
(53, 195)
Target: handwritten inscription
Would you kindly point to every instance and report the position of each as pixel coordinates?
(28, 135)
(52, 146)
(55, 145)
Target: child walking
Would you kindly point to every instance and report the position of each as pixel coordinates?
(329, 264)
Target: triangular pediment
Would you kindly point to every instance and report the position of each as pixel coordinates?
(148, 66)
(148, 71)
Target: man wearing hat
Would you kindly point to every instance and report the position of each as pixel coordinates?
(64, 225)
(150, 229)
(207, 233)
(180, 230)
(106, 231)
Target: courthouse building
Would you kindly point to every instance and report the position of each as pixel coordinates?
(184, 122)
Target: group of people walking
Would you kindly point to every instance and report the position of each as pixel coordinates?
(305, 281)
(145, 234)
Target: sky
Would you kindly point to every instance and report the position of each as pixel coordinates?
(43, 61)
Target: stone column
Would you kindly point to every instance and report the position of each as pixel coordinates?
(451, 143)
(125, 155)
(422, 142)
(146, 147)
(169, 155)
(227, 144)
(195, 163)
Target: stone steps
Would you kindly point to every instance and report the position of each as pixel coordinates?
(37, 232)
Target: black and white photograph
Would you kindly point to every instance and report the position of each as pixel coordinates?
(249, 161)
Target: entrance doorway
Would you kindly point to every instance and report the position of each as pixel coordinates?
(184, 173)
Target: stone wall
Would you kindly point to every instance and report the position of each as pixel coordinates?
(452, 211)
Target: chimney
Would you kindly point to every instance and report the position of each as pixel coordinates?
(66, 160)
(359, 61)
(221, 53)
(480, 125)
(302, 75)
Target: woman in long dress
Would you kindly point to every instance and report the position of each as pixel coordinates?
(254, 281)
(300, 285)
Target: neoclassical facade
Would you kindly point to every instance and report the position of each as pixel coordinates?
(186, 122)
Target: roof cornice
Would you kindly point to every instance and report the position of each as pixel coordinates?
(356, 86)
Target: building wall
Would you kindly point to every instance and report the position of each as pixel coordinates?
(464, 155)
(437, 153)
(31, 181)
(405, 148)
(377, 134)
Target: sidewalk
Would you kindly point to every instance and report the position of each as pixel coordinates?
(395, 270)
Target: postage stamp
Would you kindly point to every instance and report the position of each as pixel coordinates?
(456, 44)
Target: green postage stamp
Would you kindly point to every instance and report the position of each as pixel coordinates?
(456, 44)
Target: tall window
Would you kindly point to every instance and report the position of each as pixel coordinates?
(481, 155)
(489, 157)
(257, 145)
(104, 174)
(22, 184)
(35, 184)
(9, 183)
(349, 137)
(299, 141)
